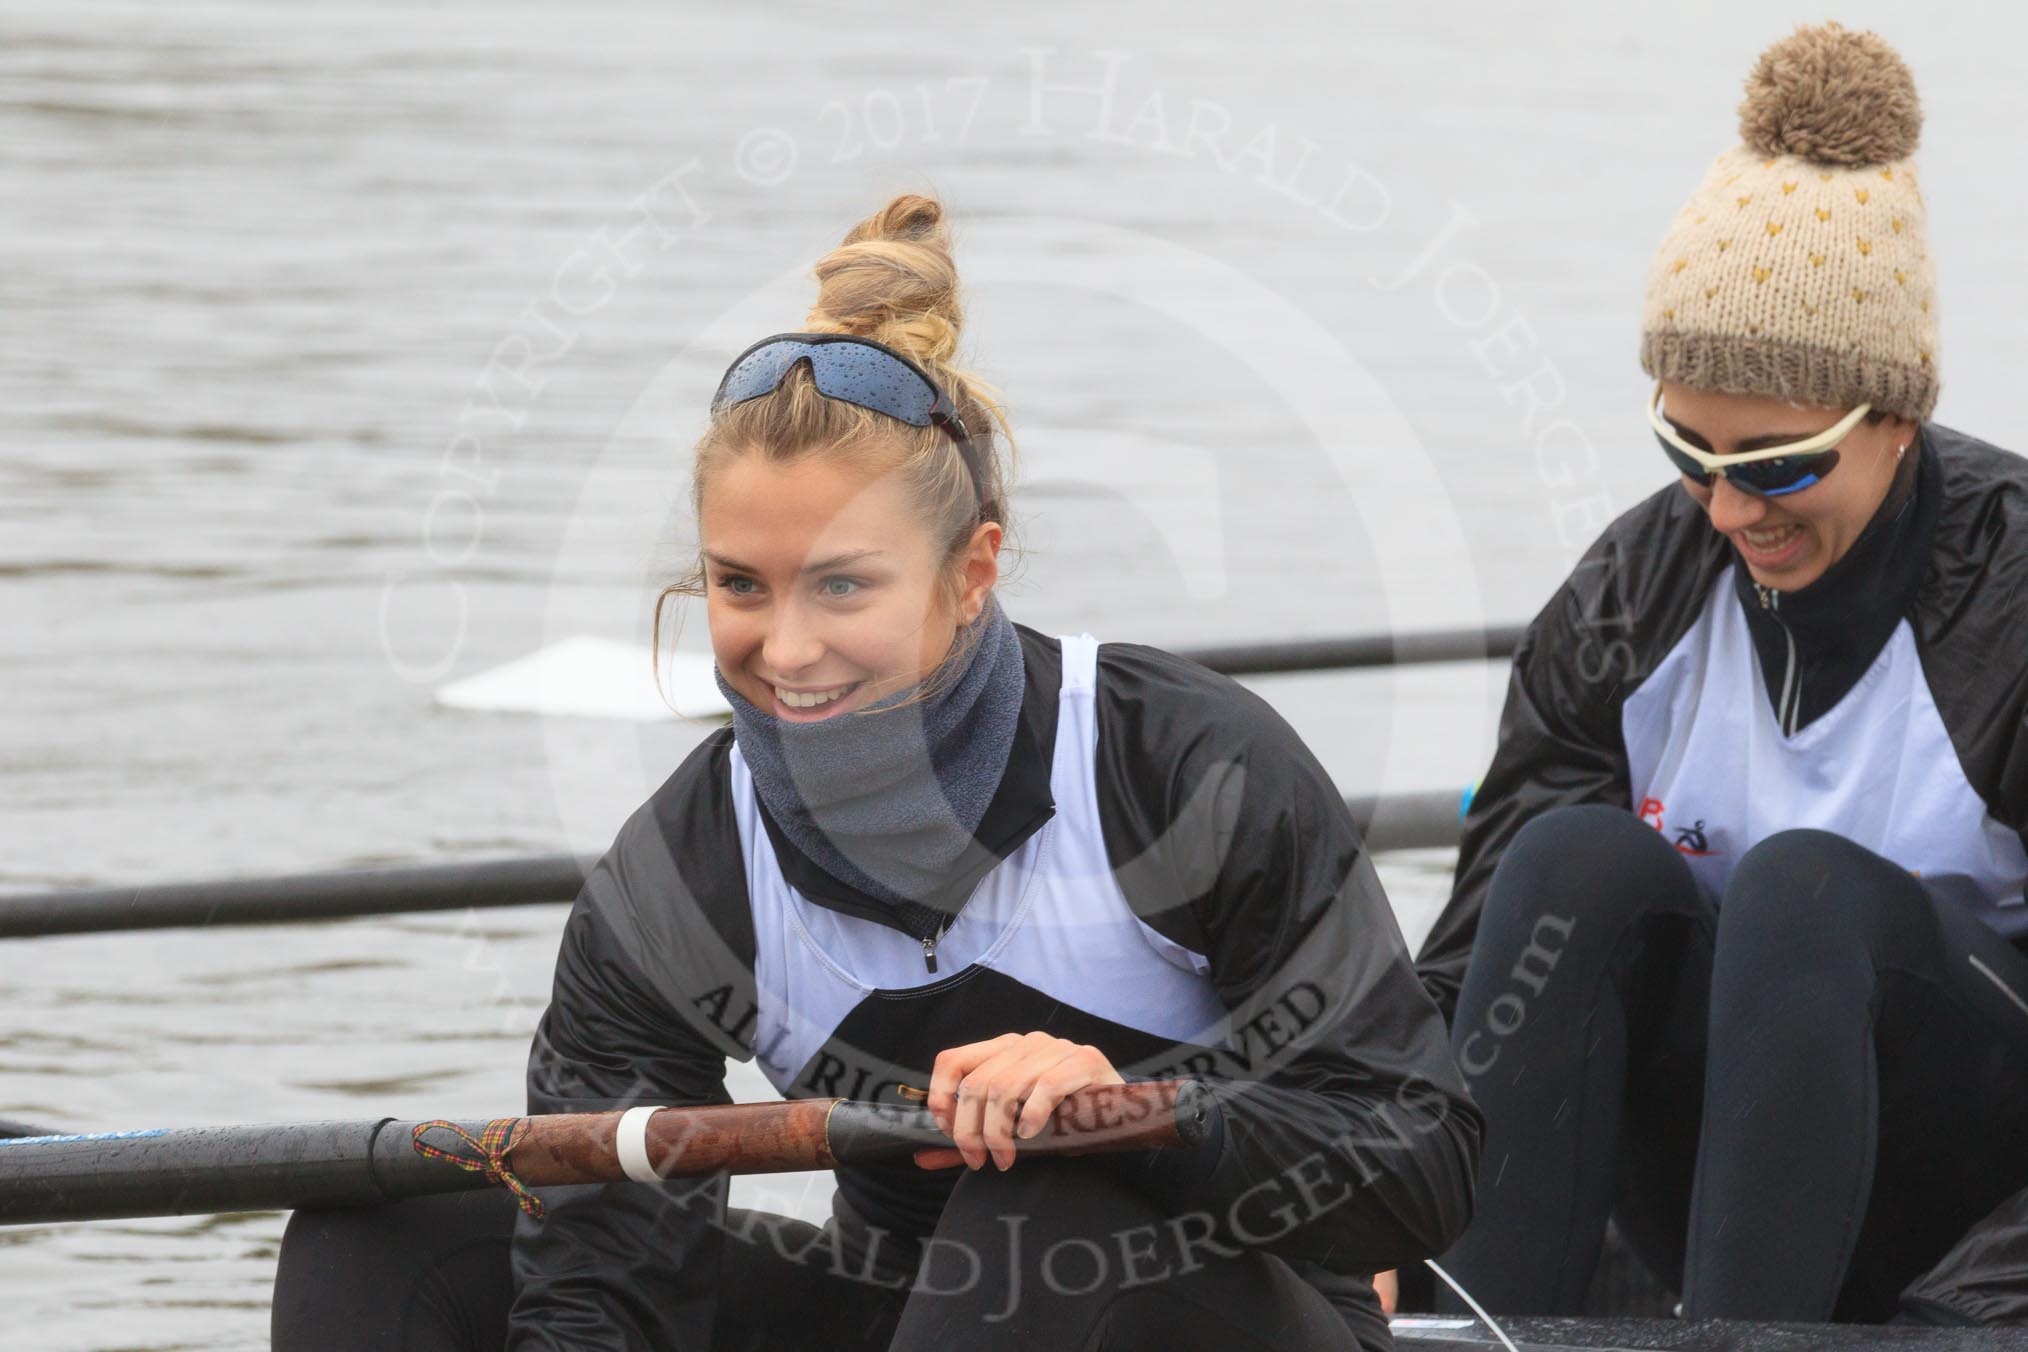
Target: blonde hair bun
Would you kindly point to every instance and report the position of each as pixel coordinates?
(894, 280)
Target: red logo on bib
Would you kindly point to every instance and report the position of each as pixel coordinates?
(1689, 840)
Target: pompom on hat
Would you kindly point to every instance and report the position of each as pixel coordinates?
(1800, 267)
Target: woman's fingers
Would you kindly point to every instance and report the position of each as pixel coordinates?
(952, 1066)
(1082, 1067)
(976, 1093)
(985, 1095)
(1013, 1088)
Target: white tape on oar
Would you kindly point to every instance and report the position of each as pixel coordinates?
(631, 1142)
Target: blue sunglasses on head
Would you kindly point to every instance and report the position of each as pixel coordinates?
(857, 370)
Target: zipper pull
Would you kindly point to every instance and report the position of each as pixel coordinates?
(929, 944)
(1762, 593)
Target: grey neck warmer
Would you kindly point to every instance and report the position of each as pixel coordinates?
(886, 798)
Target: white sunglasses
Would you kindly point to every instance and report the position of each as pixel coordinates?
(1769, 473)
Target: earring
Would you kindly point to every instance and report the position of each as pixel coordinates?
(1903, 451)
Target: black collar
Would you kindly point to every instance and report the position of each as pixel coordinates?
(1836, 626)
(1020, 806)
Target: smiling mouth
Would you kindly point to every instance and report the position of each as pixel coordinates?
(1771, 539)
(813, 699)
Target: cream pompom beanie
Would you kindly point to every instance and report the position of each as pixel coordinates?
(1800, 267)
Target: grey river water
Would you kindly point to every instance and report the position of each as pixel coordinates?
(349, 349)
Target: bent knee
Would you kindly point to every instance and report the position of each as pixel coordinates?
(1582, 862)
(1821, 891)
(319, 1231)
(425, 1272)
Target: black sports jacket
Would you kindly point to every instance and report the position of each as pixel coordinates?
(1889, 703)
(1228, 839)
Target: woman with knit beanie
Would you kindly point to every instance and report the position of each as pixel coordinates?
(942, 857)
(1726, 956)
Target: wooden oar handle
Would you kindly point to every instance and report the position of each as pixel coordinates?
(811, 1134)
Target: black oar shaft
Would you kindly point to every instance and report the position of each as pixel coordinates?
(1427, 820)
(194, 1170)
(1395, 822)
(1366, 650)
(309, 896)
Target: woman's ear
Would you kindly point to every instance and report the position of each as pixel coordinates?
(979, 565)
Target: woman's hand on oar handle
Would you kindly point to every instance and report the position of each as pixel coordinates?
(986, 1094)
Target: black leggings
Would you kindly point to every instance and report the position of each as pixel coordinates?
(1795, 1103)
(432, 1275)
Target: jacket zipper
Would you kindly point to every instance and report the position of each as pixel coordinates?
(1790, 706)
(932, 939)
(929, 947)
